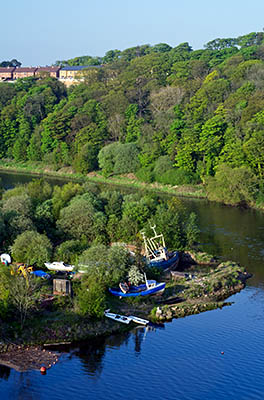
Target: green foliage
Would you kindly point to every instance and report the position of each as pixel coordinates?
(143, 109)
(68, 251)
(145, 174)
(107, 265)
(232, 185)
(81, 221)
(135, 276)
(118, 158)
(5, 303)
(31, 247)
(91, 298)
(192, 230)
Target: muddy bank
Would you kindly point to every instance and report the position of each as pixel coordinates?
(24, 358)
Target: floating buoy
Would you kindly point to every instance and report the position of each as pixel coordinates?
(43, 370)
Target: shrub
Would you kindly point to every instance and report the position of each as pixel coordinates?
(162, 165)
(68, 251)
(145, 174)
(108, 265)
(91, 298)
(177, 177)
(232, 185)
(118, 158)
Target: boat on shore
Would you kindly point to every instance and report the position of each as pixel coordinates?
(151, 287)
(156, 252)
(59, 266)
(117, 317)
(124, 319)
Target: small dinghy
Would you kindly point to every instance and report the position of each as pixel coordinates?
(138, 320)
(124, 319)
(117, 317)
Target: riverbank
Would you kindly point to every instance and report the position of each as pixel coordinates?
(200, 284)
(39, 170)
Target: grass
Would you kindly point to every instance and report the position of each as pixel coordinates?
(40, 169)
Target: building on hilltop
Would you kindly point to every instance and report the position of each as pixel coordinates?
(6, 73)
(49, 71)
(24, 72)
(70, 75)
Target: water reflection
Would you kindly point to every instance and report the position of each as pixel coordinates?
(4, 372)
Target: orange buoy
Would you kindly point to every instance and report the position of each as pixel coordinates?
(43, 370)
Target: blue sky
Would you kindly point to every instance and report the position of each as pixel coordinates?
(41, 32)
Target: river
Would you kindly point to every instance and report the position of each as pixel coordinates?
(213, 355)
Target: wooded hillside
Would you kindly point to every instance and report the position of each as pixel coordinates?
(171, 115)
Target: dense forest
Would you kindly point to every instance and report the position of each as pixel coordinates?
(172, 115)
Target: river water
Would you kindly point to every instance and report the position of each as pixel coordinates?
(213, 355)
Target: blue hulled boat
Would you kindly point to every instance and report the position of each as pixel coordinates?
(157, 254)
(146, 289)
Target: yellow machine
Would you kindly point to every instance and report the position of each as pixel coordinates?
(21, 269)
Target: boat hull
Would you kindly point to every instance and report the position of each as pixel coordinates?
(171, 263)
(141, 290)
(118, 318)
(59, 267)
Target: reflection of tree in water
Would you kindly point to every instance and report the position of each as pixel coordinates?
(4, 372)
(139, 336)
(92, 354)
(24, 388)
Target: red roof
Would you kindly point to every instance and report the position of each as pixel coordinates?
(26, 69)
(48, 69)
(7, 69)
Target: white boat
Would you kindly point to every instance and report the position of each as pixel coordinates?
(117, 317)
(138, 320)
(59, 266)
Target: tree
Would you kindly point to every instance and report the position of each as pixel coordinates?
(232, 186)
(81, 221)
(107, 265)
(133, 123)
(23, 294)
(31, 247)
(91, 298)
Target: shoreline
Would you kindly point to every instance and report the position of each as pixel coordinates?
(41, 171)
(192, 289)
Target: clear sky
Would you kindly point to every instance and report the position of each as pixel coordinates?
(41, 32)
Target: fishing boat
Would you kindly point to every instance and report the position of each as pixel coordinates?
(156, 252)
(59, 266)
(151, 287)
